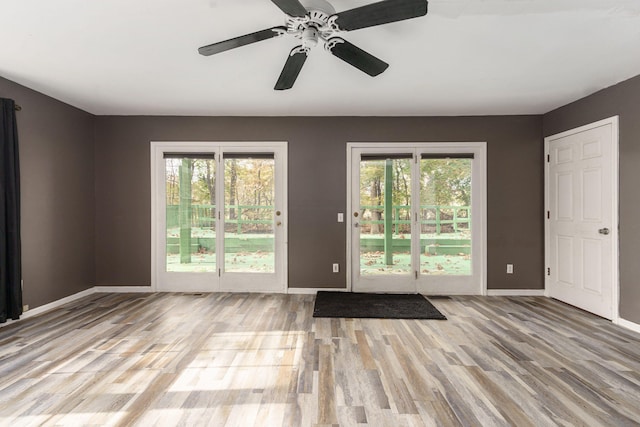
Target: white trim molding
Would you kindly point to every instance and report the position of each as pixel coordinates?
(515, 292)
(58, 303)
(51, 306)
(628, 324)
(87, 292)
(295, 291)
(124, 289)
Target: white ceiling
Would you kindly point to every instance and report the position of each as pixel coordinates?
(466, 57)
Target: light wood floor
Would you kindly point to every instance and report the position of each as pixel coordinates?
(242, 360)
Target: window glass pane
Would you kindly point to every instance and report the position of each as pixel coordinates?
(190, 213)
(445, 216)
(385, 216)
(249, 245)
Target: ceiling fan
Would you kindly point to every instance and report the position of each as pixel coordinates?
(313, 20)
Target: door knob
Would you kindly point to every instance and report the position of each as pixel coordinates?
(355, 214)
(603, 231)
(278, 223)
(356, 225)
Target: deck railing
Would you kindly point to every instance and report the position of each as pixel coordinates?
(429, 215)
(459, 217)
(204, 215)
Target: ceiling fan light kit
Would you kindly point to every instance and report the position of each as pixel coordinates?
(312, 21)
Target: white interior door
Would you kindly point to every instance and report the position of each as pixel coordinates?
(416, 218)
(219, 216)
(582, 224)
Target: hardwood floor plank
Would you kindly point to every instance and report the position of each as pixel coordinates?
(326, 387)
(230, 359)
(364, 350)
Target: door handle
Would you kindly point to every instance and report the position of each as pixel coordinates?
(603, 231)
(278, 223)
(356, 224)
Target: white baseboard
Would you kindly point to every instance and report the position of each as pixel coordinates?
(515, 292)
(57, 303)
(313, 291)
(300, 291)
(123, 289)
(126, 289)
(62, 301)
(628, 324)
(51, 306)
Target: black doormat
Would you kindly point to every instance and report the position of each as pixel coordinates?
(380, 306)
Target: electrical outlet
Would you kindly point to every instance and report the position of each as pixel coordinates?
(336, 268)
(25, 308)
(340, 217)
(509, 268)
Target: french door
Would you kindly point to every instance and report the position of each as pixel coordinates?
(219, 216)
(416, 217)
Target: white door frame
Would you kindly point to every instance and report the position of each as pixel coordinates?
(479, 179)
(158, 224)
(613, 121)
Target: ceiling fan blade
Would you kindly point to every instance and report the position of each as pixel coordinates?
(291, 7)
(241, 41)
(380, 13)
(291, 69)
(355, 56)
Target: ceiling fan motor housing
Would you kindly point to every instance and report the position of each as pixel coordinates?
(315, 24)
(321, 6)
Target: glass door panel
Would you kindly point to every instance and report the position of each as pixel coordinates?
(445, 216)
(190, 213)
(416, 220)
(219, 216)
(382, 233)
(249, 225)
(385, 216)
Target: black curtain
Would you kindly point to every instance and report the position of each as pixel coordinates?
(10, 258)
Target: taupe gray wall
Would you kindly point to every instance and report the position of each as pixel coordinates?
(86, 189)
(622, 100)
(57, 178)
(76, 235)
(317, 187)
